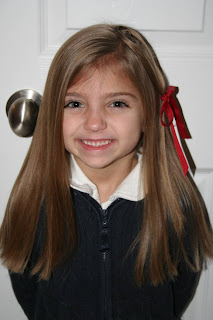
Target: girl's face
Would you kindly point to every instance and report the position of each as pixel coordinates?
(103, 119)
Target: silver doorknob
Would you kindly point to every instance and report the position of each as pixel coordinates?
(22, 110)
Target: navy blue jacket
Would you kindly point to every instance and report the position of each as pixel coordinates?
(98, 282)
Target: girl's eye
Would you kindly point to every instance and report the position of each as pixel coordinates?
(74, 104)
(118, 104)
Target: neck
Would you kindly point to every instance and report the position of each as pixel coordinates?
(109, 178)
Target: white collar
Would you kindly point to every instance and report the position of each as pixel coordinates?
(129, 189)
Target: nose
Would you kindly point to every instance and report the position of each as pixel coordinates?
(95, 121)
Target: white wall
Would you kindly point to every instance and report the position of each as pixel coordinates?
(182, 34)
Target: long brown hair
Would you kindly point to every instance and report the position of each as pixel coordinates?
(171, 203)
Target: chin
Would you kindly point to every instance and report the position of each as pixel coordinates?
(98, 165)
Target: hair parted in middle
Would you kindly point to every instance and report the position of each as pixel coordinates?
(46, 170)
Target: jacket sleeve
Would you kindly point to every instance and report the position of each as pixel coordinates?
(25, 287)
(184, 288)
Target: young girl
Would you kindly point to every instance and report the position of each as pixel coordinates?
(103, 221)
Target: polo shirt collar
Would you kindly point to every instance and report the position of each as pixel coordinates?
(129, 189)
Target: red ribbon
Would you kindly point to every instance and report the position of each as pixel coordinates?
(170, 107)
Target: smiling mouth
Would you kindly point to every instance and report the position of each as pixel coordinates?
(97, 143)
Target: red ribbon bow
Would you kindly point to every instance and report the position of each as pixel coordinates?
(170, 107)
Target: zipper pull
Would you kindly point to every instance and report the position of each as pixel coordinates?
(104, 237)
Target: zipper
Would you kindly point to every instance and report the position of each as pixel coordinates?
(105, 251)
(104, 256)
(105, 284)
(104, 248)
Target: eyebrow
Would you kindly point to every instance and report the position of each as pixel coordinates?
(107, 95)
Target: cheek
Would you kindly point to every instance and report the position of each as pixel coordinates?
(130, 132)
(135, 127)
(68, 135)
(65, 129)
(68, 131)
(69, 125)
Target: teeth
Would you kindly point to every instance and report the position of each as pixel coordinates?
(96, 143)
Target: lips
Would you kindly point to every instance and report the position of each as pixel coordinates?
(96, 143)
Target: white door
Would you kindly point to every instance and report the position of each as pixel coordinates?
(182, 34)
(20, 47)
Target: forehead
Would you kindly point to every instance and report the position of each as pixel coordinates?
(103, 75)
